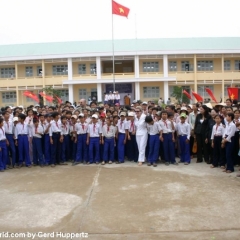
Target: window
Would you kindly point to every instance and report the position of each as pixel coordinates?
(60, 70)
(93, 68)
(172, 66)
(186, 66)
(205, 65)
(28, 71)
(82, 68)
(150, 67)
(151, 92)
(227, 65)
(39, 71)
(237, 64)
(202, 92)
(9, 97)
(83, 94)
(225, 89)
(7, 72)
(64, 95)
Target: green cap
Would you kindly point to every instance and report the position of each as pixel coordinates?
(183, 115)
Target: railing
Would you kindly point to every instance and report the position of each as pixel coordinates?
(151, 73)
(84, 75)
(118, 74)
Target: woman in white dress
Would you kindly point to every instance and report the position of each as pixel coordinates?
(141, 134)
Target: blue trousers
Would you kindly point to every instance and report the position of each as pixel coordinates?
(217, 151)
(184, 149)
(37, 150)
(3, 155)
(132, 148)
(169, 149)
(108, 154)
(121, 147)
(11, 149)
(153, 152)
(55, 149)
(47, 149)
(82, 148)
(23, 149)
(94, 143)
(65, 148)
(74, 150)
(229, 155)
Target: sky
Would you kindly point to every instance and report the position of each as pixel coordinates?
(31, 21)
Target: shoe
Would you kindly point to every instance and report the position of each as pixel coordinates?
(175, 163)
(63, 163)
(167, 163)
(52, 165)
(75, 163)
(41, 165)
(149, 164)
(97, 163)
(10, 167)
(117, 162)
(20, 165)
(103, 163)
(140, 164)
(199, 161)
(34, 165)
(186, 163)
(88, 163)
(155, 165)
(29, 166)
(1, 170)
(110, 162)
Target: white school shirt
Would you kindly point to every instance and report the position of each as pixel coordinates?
(8, 125)
(166, 126)
(45, 126)
(94, 130)
(141, 126)
(229, 131)
(2, 134)
(183, 129)
(117, 96)
(122, 126)
(55, 127)
(106, 97)
(218, 130)
(81, 128)
(21, 129)
(65, 128)
(109, 131)
(33, 130)
(153, 129)
(131, 126)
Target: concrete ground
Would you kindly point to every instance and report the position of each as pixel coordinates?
(122, 202)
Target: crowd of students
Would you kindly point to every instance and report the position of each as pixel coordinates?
(106, 134)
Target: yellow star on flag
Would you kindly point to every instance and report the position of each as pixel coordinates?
(121, 10)
(232, 96)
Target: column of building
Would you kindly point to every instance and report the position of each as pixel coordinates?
(137, 85)
(165, 75)
(70, 77)
(99, 84)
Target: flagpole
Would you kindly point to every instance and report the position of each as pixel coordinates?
(113, 57)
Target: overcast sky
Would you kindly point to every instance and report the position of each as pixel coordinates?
(27, 21)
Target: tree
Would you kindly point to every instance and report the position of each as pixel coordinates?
(180, 97)
(52, 92)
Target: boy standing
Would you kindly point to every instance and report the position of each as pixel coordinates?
(183, 132)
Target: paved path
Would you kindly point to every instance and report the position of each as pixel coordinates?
(122, 201)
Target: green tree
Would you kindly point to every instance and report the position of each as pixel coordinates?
(52, 92)
(180, 97)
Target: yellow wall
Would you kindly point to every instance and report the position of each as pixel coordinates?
(75, 67)
(22, 72)
(88, 87)
(151, 84)
(160, 61)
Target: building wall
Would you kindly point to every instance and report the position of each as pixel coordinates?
(151, 84)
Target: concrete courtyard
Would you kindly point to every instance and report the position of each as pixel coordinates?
(122, 202)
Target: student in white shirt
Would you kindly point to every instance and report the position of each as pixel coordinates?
(154, 130)
(183, 132)
(3, 147)
(36, 134)
(65, 129)
(228, 141)
(216, 138)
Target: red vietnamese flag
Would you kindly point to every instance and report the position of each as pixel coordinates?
(210, 93)
(233, 93)
(119, 9)
(187, 94)
(197, 96)
(48, 98)
(58, 99)
(31, 95)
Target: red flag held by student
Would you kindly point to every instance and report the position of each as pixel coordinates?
(210, 93)
(119, 9)
(233, 93)
(187, 94)
(197, 96)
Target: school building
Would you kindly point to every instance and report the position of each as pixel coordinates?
(145, 68)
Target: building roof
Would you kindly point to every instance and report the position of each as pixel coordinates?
(125, 46)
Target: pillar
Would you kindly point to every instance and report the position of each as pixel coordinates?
(17, 95)
(195, 72)
(137, 91)
(136, 66)
(99, 92)
(223, 83)
(166, 91)
(165, 65)
(16, 70)
(98, 65)
(70, 77)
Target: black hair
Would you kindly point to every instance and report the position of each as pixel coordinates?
(231, 115)
(22, 116)
(206, 110)
(4, 112)
(63, 117)
(55, 114)
(148, 119)
(154, 108)
(52, 107)
(1, 120)
(35, 120)
(229, 100)
(218, 116)
(69, 112)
